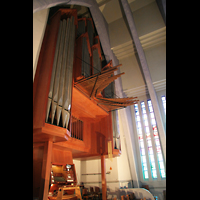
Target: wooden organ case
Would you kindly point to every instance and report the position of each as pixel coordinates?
(71, 114)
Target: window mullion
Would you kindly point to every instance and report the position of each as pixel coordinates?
(153, 142)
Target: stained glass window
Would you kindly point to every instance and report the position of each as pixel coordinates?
(157, 141)
(141, 143)
(148, 138)
(164, 103)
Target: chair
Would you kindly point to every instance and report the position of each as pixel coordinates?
(127, 197)
(94, 196)
(132, 196)
(96, 189)
(97, 193)
(91, 190)
(85, 194)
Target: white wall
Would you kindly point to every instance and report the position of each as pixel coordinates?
(94, 167)
(124, 162)
(133, 75)
(156, 59)
(118, 32)
(148, 19)
(39, 25)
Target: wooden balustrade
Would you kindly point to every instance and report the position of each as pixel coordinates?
(77, 128)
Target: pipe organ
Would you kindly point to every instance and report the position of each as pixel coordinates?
(74, 109)
(75, 64)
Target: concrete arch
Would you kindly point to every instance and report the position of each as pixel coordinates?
(43, 4)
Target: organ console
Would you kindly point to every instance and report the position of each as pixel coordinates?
(64, 182)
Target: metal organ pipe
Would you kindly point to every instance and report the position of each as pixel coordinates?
(90, 31)
(85, 69)
(81, 27)
(96, 61)
(54, 70)
(57, 75)
(63, 69)
(59, 98)
(66, 108)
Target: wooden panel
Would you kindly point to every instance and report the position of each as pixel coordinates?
(37, 169)
(61, 157)
(101, 140)
(57, 174)
(46, 168)
(84, 107)
(50, 132)
(38, 153)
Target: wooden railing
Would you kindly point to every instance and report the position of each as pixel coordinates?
(77, 128)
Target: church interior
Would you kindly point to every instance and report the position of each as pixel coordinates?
(99, 99)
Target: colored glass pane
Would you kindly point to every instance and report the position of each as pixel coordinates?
(141, 142)
(148, 138)
(156, 138)
(164, 103)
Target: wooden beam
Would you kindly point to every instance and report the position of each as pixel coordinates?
(103, 177)
(46, 167)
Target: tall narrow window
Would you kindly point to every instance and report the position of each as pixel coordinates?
(157, 141)
(164, 103)
(141, 142)
(148, 139)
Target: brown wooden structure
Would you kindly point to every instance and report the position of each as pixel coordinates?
(83, 128)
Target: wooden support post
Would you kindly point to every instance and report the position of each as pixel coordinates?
(46, 167)
(103, 177)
